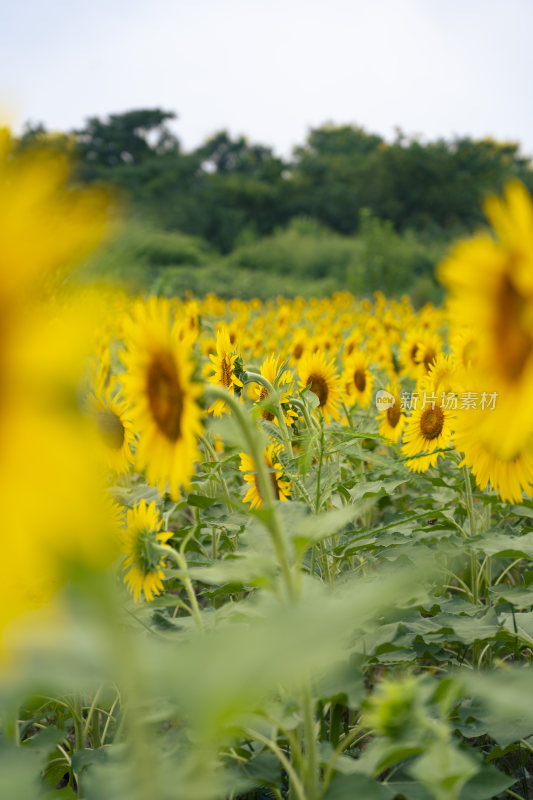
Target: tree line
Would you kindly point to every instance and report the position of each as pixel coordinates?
(230, 190)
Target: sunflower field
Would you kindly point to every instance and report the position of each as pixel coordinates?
(260, 550)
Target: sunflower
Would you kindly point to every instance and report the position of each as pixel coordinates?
(428, 430)
(281, 487)
(270, 369)
(428, 349)
(322, 378)
(509, 477)
(409, 351)
(392, 420)
(464, 344)
(142, 540)
(225, 366)
(442, 376)
(163, 397)
(357, 379)
(299, 344)
(418, 351)
(490, 280)
(509, 474)
(114, 426)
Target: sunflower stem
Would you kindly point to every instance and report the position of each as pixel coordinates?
(181, 561)
(211, 452)
(92, 723)
(472, 532)
(254, 448)
(273, 397)
(310, 743)
(303, 408)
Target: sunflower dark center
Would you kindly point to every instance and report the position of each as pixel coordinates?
(514, 342)
(413, 352)
(165, 395)
(226, 372)
(393, 414)
(318, 385)
(429, 357)
(359, 378)
(298, 350)
(431, 422)
(110, 428)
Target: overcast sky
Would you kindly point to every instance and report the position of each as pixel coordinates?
(272, 68)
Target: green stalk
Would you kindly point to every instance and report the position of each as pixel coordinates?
(263, 478)
(254, 377)
(297, 789)
(310, 743)
(10, 723)
(472, 532)
(305, 412)
(181, 561)
(92, 722)
(77, 716)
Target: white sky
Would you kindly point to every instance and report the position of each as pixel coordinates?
(272, 68)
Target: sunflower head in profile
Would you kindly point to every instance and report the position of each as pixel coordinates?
(321, 377)
(357, 379)
(142, 540)
(226, 365)
(280, 486)
(392, 419)
(158, 384)
(427, 432)
(113, 423)
(279, 378)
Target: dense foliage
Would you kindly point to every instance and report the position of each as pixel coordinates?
(231, 194)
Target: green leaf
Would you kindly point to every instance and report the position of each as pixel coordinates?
(45, 741)
(365, 488)
(443, 769)
(410, 790)
(264, 769)
(498, 544)
(488, 783)
(66, 793)
(314, 528)
(83, 759)
(201, 501)
(347, 787)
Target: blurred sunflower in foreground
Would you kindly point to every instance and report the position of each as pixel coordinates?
(46, 226)
(490, 280)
